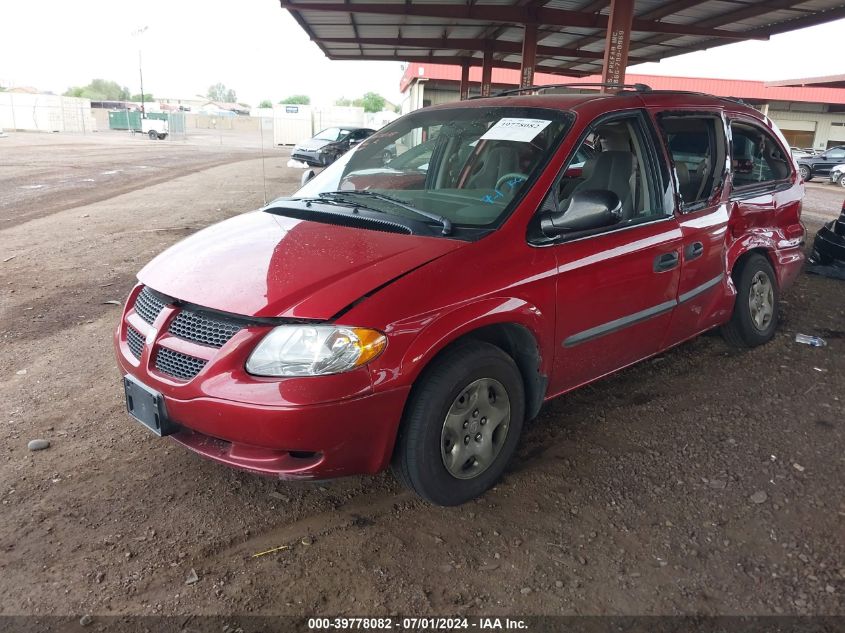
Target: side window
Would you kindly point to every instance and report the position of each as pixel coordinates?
(697, 147)
(615, 157)
(756, 157)
(836, 154)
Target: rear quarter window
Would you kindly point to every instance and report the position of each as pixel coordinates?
(756, 156)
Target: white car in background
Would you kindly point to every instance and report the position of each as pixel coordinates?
(837, 175)
(797, 152)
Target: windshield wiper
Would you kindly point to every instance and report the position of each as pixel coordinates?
(446, 223)
(338, 202)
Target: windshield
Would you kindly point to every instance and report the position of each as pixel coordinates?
(467, 165)
(331, 134)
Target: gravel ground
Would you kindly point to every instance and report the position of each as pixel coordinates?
(703, 481)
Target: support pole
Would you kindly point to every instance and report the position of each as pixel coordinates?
(529, 56)
(617, 41)
(464, 81)
(486, 72)
(141, 74)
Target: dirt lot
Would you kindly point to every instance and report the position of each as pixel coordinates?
(638, 495)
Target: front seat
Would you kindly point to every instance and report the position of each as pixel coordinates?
(612, 171)
(500, 160)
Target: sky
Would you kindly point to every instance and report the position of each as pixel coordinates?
(256, 48)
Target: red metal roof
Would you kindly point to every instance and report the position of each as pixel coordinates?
(829, 81)
(743, 89)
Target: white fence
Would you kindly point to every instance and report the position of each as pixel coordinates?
(45, 113)
(292, 124)
(295, 123)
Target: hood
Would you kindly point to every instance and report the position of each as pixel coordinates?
(313, 144)
(259, 264)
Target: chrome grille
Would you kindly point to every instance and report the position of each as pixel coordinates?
(177, 364)
(135, 341)
(148, 306)
(203, 328)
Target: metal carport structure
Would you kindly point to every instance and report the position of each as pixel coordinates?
(572, 38)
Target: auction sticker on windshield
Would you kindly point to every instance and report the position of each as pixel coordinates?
(523, 130)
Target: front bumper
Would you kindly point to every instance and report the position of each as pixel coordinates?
(310, 442)
(313, 158)
(292, 428)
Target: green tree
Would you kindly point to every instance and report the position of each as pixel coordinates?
(371, 102)
(137, 97)
(266, 103)
(100, 90)
(296, 100)
(219, 92)
(343, 101)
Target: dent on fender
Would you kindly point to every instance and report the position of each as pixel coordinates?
(430, 342)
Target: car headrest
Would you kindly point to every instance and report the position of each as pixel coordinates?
(683, 174)
(615, 139)
(589, 168)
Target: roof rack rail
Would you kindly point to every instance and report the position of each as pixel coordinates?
(738, 100)
(635, 87)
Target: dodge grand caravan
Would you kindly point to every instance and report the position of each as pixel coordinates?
(415, 314)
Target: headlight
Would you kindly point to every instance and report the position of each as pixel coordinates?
(314, 350)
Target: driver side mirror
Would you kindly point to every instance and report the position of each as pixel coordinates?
(587, 210)
(307, 175)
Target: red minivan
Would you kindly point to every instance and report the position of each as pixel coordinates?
(417, 301)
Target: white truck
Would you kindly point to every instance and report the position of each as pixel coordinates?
(156, 129)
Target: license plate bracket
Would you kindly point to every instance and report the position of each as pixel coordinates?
(147, 406)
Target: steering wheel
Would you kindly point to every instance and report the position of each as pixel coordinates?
(511, 176)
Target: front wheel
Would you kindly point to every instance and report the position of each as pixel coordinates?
(755, 315)
(806, 174)
(841, 180)
(462, 424)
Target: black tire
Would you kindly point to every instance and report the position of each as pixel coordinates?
(417, 459)
(841, 180)
(806, 173)
(153, 135)
(162, 136)
(741, 331)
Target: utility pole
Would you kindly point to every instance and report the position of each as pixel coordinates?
(139, 32)
(141, 74)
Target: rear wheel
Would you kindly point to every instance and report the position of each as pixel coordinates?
(755, 315)
(806, 174)
(462, 424)
(153, 135)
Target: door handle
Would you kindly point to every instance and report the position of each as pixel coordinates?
(666, 261)
(696, 249)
